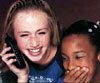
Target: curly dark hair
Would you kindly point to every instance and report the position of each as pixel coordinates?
(85, 27)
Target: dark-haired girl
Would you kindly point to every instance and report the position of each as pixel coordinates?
(81, 52)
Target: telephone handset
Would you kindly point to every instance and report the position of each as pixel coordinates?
(14, 49)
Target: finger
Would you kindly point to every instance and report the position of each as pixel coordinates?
(76, 75)
(4, 51)
(84, 78)
(72, 72)
(81, 74)
(6, 57)
(69, 74)
(10, 62)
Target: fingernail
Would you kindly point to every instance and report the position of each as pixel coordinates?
(67, 71)
(78, 68)
(85, 69)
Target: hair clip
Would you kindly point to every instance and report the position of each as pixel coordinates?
(90, 30)
(95, 26)
(40, 2)
(93, 29)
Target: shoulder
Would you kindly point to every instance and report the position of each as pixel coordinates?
(59, 59)
(61, 79)
(58, 56)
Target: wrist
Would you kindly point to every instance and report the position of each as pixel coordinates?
(23, 79)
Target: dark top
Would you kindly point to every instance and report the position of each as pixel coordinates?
(51, 73)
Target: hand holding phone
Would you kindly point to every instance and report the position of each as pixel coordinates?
(14, 49)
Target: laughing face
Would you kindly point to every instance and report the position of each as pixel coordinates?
(32, 34)
(77, 51)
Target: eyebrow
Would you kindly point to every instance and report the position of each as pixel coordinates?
(80, 51)
(42, 29)
(23, 32)
(36, 31)
(64, 54)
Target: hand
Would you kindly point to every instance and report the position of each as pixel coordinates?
(77, 75)
(22, 74)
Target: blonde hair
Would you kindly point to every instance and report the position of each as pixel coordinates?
(23, 5)
(41, 5)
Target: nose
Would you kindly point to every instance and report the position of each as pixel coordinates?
(34, 41)
(71, 65)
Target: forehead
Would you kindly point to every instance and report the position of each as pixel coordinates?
(29, 13)
(30, 19)
(76, 37)
(77, 42)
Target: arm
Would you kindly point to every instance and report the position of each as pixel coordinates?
(22, 74)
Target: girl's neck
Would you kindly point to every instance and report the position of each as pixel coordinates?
(47, 61)
(50, 56)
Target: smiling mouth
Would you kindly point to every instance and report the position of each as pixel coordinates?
(35, 52)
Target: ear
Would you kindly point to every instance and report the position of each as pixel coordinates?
(98, 56)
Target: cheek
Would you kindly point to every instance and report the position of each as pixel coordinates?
(65, 63)
(21, 43)
(92, 69)
(45, 40)
(83, 63)
(90, 64)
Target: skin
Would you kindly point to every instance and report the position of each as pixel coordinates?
(80, 59)
(32, 33)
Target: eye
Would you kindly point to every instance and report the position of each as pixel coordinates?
(79, 57)
(23, 35)
(42, 32)
(65, 57)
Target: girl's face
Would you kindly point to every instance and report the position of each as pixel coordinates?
(79, 52)
(32, 34)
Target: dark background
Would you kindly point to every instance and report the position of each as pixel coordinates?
(67, 11)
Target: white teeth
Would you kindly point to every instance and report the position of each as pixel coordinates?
(36, 50)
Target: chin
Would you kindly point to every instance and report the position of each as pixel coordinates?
(36, 58)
